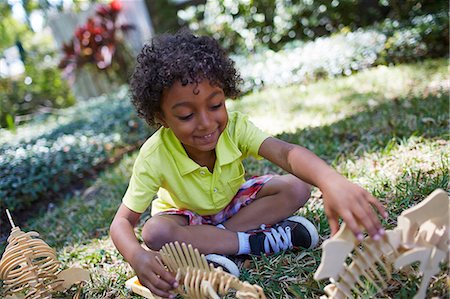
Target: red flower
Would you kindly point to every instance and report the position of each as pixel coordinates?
(116, 5)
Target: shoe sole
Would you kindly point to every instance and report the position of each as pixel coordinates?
(224, 262)
(309, 227)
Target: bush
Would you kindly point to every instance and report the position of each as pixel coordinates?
(47, 156)
(41, 87)
(341, 54)
(425, 35)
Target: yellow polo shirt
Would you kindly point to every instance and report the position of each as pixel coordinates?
(164, 169)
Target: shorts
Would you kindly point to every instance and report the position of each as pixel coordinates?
(245, 195)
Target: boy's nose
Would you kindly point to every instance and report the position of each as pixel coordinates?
(203, 121)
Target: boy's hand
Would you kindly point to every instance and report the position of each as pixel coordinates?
(152, 274)
(355, 205)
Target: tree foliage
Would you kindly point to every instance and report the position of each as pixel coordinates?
(245, 25)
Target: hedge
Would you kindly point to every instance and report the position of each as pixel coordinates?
(48, 155)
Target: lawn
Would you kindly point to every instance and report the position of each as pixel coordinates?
(385, 128)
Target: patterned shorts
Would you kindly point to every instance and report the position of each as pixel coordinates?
(245, 195)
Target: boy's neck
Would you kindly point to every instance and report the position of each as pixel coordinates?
(206, 159)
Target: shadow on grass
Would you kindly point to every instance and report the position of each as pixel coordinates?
(368, 131)
(373, 129)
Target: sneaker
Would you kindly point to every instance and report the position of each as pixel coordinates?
(291, 233)
(227, 265)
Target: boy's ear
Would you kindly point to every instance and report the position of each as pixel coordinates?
(160, 119)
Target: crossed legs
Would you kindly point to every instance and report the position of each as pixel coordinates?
(278, 199)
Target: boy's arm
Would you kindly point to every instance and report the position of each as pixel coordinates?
(342, 198)
(150, 273)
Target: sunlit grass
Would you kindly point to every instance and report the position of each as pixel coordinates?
(278, 110)
(385, 129)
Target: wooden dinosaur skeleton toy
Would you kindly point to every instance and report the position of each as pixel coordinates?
(30, 269)
(198, 279)
(421, 235)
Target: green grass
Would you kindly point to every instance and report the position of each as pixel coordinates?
(385, 129)
(285, 110)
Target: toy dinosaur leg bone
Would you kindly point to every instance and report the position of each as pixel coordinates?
(429, 258)
(434, 208)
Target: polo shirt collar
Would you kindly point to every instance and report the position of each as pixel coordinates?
(184, 164)
(226, 151)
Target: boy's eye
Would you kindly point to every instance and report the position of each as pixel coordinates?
(217, 106)
(187, 117)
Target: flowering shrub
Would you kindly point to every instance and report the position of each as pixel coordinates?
(43, 158)
(97, 43)
(341, 54)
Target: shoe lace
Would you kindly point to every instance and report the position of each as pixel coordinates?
(277, 238)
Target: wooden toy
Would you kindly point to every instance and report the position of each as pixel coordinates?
(198, 279)
(30, 269)
(422, 234)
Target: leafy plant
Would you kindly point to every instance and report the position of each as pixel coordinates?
(98, 43)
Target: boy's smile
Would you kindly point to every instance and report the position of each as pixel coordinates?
(197, 115)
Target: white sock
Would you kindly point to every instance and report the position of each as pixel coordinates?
(244, 243)
(220, 225)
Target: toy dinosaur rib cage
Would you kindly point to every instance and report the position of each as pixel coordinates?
(421, 235)
(198, 279)
(29, 265)
(29, 268)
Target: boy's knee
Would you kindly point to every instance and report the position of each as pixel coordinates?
(156, 232)
(298, 190)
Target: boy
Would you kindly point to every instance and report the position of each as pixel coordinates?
(193, 164)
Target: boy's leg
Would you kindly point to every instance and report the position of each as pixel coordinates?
(162, 229)
(278, 199)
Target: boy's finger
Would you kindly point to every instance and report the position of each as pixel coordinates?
(351, 223)
(368, 219)
(375, 202)
(168, 278)
(160, 286)
(334, 224)
(155, 290)
(163, 274)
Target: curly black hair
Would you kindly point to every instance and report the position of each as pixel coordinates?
(180, 57)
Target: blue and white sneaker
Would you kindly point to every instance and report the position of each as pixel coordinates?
(292, 233)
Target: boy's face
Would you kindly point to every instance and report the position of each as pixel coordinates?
(196, 114)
